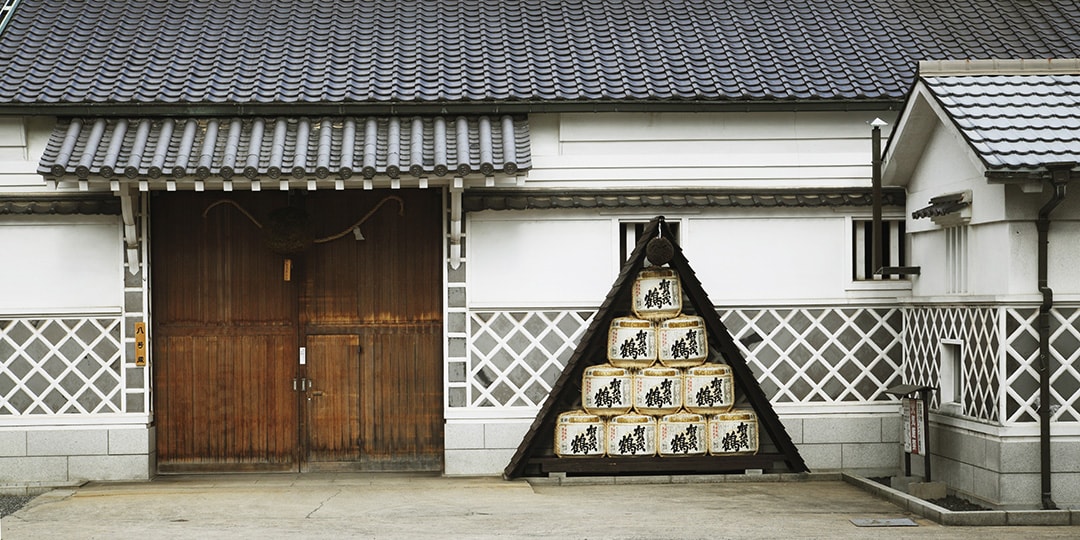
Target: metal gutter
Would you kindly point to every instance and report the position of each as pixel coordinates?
(441, 107)
(1059, 177)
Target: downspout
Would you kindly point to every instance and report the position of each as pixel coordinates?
(1059, 177)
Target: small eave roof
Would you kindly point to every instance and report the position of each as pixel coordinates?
(1016, 117)
(207, 57)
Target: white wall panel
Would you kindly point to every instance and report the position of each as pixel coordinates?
(758, 150)
(539, 262)
(22, 141)
(60, 264)
(769, 260)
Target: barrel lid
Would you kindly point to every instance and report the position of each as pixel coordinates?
(682, 417)
(632, 418)
(606, 370)
(709, 369)
(683, 321)
(631, 322)
(659, 371)
(738, 414)
(578, 416)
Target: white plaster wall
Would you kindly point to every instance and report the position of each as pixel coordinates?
(751, 260)
(735, 149)
(569, 259)
(539, 260)
(66, 264)
(22, 142)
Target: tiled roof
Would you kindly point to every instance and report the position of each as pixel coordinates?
(1022, 121)
(245, 149)
(503, 199)
(262, 53)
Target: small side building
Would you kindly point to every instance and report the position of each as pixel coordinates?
(986, 151)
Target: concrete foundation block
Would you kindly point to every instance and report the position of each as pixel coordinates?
(794, 428)
(879, 456)
(927, 490)
(476, 462)
(821, 456)
(842, 429)
(974, 519)
(1038, 517)
(505, 435)
(463, 436)
(127, 467)
(644, 479)
(74, 442)
(130, 441)
(12, 443)
(901, 483)
(891, 430)
(22, 470)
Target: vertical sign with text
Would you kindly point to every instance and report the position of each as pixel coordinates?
(914, 426)
(140, 343)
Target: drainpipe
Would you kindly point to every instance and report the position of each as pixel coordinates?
(1059, 177)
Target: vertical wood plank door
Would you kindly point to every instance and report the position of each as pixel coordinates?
(227, 328)
(333, 399)
(383, 293)
(224, 338)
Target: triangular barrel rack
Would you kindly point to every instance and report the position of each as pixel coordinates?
(535, 455)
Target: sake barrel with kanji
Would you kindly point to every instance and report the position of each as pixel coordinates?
(733, 432)
(708, 389)
(631, 343)
(658, 390)
(607, 390)
(578, 433)
(682, 434)
(682, 341)
(657, 294)
(631, 435)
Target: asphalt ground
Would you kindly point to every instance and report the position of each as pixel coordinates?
(422, 507)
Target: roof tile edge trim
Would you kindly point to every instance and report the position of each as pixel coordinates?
(199, 149)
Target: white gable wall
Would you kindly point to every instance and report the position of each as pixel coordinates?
(945, 168)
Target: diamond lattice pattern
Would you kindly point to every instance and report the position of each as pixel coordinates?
(515, 357)
(56, 366)
(1021, 365)
(820, 355)
(808, 355)
(976, 328)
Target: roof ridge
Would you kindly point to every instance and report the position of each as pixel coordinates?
(932, 68)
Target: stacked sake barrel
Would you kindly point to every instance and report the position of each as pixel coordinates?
(657, 394)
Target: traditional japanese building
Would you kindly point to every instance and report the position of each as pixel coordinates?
(369, 235)
(986, 151)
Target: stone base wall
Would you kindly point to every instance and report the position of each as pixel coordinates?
(866, 444)
(863, 444)
(1001, 471)
(43, 457)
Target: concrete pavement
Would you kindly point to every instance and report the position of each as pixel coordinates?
(419, 507)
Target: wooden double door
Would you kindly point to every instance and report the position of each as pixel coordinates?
(326, 359)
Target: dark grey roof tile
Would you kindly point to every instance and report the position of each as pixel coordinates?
(1014, 122)
(286, 52)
